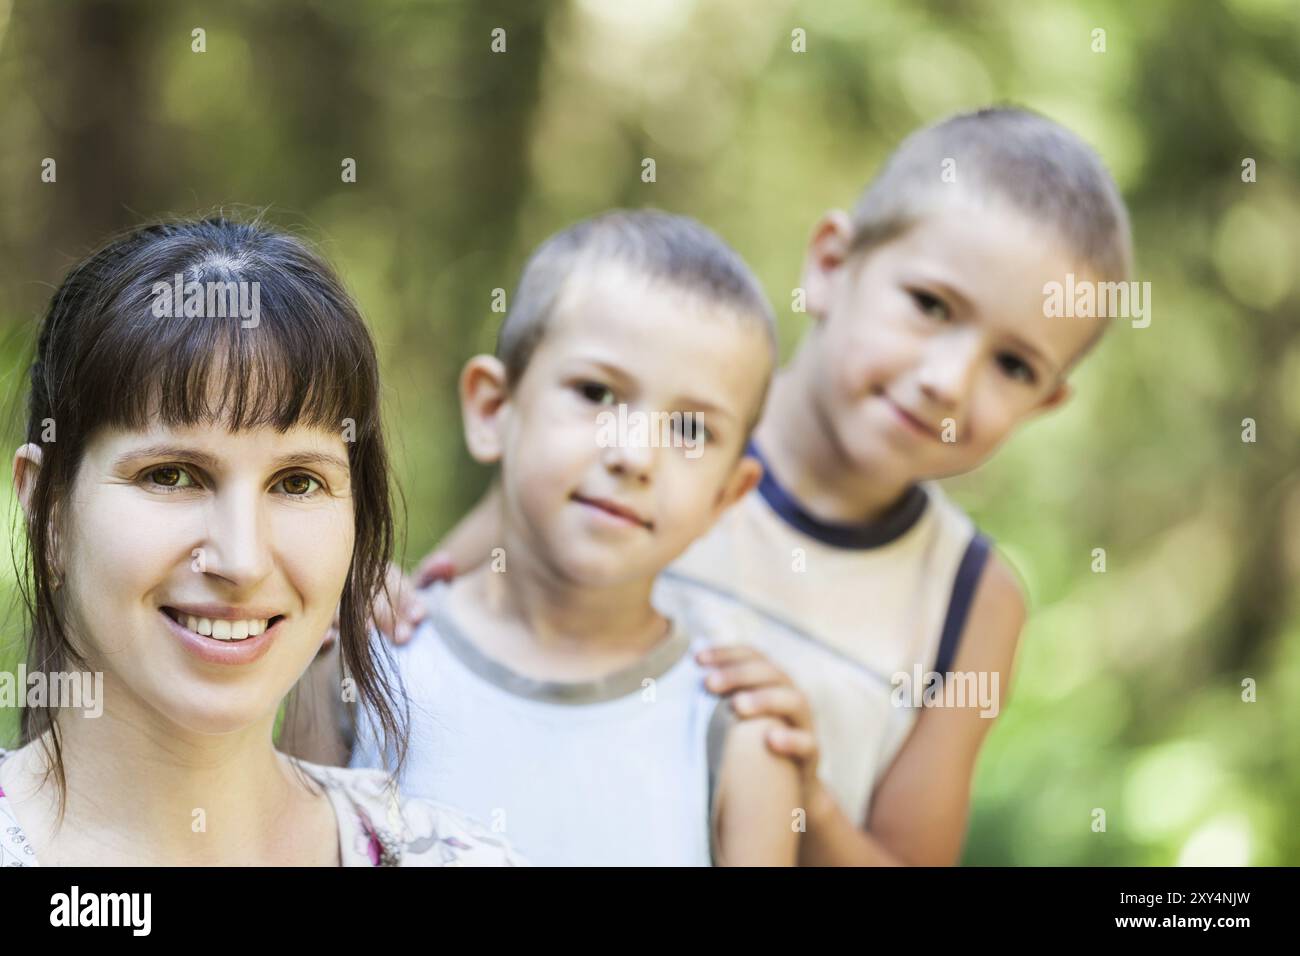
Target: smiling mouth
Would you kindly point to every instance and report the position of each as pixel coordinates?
(223, 629)
(615, 509)
(912, 421)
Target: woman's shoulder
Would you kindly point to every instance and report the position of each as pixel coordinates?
(15, 848)
(378, 826)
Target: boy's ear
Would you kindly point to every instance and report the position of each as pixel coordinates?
(744, 478)
(1063, 393)
(827, 250)
(484, 405)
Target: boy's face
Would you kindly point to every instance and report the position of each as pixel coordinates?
(597, 502)
(933, 347)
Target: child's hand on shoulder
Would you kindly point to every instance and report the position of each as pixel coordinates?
(395, 614)
(758, 688)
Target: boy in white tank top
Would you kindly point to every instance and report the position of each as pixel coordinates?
(546, 690)
(933, 338)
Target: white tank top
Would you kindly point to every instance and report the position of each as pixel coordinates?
(617, 771)
(843, 609)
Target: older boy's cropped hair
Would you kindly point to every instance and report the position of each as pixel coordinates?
(1009, 154)
(664, 248)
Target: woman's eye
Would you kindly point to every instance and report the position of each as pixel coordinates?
(1016, 368)
(299, 486)
(596, 393)
(931, 305)
(170, 476)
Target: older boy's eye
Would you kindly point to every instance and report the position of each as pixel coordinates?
(299, 486)
(1016, 368)
(931, 305)
(596, 393)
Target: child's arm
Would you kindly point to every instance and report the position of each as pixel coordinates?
(920, 807)
(758, 794)
(468, 544)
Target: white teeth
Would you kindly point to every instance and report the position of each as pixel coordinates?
(223, 630)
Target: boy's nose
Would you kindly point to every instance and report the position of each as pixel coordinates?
(948, 371)
(629, 459)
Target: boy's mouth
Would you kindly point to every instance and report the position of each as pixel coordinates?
(614, 508)
(912, 422)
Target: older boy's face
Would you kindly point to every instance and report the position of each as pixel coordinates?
(935, 345)
(603, 483)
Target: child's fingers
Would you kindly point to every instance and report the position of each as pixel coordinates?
(782, 701)
(722, 654)
(412, 611)
(435, 567)
(383, 616)
(758, 672)
(799, 745)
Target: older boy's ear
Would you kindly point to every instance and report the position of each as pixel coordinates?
(483, 406)
(1063, 393)
(827, 250)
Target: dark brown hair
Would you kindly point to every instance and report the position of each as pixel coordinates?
(105, 359)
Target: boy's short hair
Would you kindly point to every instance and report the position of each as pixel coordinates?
(674, 250)
(1021, 157)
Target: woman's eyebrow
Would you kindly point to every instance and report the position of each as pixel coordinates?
(172, 452)
(210, 463)
(311, 458)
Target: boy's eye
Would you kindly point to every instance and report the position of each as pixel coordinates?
(170, 476)
(691, 428)
(596, 393)
(299, 486)
(1016, 368)
(931, 305)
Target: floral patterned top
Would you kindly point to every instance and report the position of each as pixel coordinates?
(376, 826)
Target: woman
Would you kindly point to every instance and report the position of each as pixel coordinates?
(204, 483)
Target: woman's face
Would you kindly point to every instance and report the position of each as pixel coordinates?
(175, 542)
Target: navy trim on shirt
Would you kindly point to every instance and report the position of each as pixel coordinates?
(873, 534)
(963, 593)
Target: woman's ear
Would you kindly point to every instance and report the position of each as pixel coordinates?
(484, 405)
(827, 250)
(27, 465)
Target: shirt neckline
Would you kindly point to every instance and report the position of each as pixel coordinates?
(891, 526)
(347, 815)
(661, 659)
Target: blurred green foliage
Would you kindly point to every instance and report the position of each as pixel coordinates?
(1128, 694)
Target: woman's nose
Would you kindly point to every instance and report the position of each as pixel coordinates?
(237, 545)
